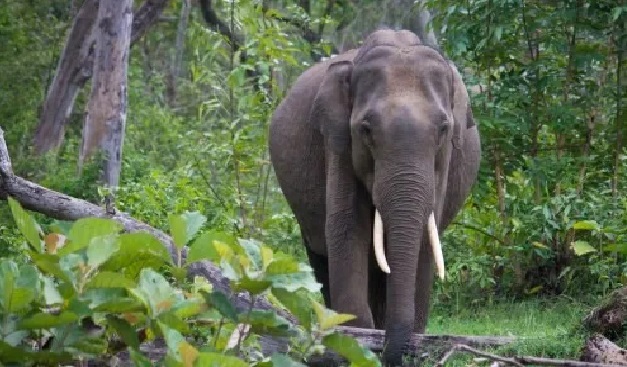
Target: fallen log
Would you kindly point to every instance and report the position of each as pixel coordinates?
(601, 350)
(63, 207)
(519, 361)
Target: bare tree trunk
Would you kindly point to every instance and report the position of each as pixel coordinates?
(75, 69)
(106, 114)
(177, 59)
(570, 73)
(620, 49)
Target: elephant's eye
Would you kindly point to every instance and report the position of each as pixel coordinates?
(443, 128)
(366, 131)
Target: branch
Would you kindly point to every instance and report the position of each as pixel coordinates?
(518, 361)
(214, 22)
(145, 16)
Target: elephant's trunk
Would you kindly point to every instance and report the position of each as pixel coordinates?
(404, 194)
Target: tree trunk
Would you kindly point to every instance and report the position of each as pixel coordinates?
(177, 57)
(105, 119)
(75, 69)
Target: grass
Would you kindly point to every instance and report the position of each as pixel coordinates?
(547, 327)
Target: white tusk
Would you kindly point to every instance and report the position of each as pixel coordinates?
(377, 235)
(436, 246)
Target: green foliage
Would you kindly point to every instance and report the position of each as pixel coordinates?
(546, 94)
(92, 274)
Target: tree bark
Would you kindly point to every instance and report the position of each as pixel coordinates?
(105, 120)
(177, 57)
(75, 69)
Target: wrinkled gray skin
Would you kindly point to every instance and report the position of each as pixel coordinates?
(388, 126)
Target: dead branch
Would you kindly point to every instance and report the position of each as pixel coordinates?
(518, 361)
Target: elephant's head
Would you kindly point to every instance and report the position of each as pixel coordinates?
(397, 108)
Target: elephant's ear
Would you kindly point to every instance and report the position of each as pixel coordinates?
(332, 106)
(462, 111)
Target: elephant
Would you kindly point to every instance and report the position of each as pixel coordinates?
(375, 151)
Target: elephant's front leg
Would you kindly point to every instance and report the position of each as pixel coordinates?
(348, 233)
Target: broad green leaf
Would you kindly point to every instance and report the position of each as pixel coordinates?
(100, 249)
(189, 307)
(194, 222)
(47, 321)
(185, 226)
(155, 291)
(120, 305)
(581, 247)
(207, 359)
(86, 229)
(222, 303)
(618, 247)
(294, 281)
(252, 249)
(62, 227)
(252, 286)
(188, 354)
(348, 348)
(109, 279)
(49, 265)
(178, 230)
(93, 345)
(137, 251)
(51, 293)
(297, 303)
(589, 225)
(124, 330)
(11, 354)
(18, 285)
(172, 321)
(203, 249)
(266, 256)
(283, 266)
(27, 225)
(266, 323)
(328, 318)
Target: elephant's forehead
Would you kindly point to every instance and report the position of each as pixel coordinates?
(418, 71)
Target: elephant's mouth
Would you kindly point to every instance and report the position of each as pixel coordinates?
(434, 240)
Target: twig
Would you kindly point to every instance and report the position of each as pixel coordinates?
(465, 348)
(518, 361)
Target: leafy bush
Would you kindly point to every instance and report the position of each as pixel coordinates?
(89, 291)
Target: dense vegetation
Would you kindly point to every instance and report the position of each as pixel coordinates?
(547, 216)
